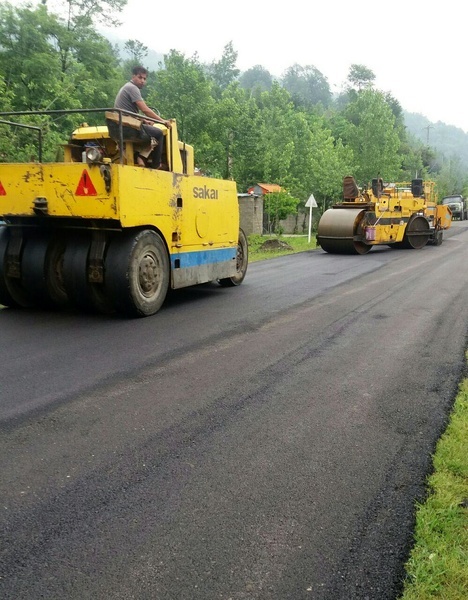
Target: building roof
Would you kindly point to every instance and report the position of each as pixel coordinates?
(266, 188)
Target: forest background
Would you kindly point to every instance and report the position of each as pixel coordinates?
(247, 126)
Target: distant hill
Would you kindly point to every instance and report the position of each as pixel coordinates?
(448, 140)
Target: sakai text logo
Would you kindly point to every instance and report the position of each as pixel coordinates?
(204, 192)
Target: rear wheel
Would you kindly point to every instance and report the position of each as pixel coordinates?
(242, 261)
(41, 270)
(137, 273)
(12, 292)
(417, 233)
(438, 238)
(83, 293)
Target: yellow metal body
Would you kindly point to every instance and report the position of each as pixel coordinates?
(197, 217)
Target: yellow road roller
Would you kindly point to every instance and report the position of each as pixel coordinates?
(97, 231)
(400, 215)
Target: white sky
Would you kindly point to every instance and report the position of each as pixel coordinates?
(416, 48)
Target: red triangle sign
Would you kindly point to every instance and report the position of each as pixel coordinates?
(2, 190)
(85, 186)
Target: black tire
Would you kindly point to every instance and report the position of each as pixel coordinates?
(41, 270)
(438, 238)
(242, 261)
(82, 293)
(137, 273)
(12, 293)
(417, 233)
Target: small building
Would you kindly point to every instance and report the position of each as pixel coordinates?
(264, 188)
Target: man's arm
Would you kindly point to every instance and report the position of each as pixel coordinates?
(146, 110)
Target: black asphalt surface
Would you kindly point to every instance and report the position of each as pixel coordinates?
(266, 442)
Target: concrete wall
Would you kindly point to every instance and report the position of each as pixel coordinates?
(254, 221)
(251, 213)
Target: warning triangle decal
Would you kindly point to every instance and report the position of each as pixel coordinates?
(85, 186)
(2, 190)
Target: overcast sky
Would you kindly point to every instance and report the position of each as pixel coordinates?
(416, 48)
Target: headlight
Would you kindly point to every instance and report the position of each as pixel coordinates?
(94, 154)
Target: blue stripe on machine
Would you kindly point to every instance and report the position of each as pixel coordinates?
(203, 257)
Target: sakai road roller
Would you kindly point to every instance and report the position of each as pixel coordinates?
(99, 232)
(400, 215)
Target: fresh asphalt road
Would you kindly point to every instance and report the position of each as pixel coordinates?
(262, 442)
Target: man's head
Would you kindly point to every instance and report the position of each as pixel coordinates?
(139, 75)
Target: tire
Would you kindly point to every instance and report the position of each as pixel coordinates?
(12, 293)
(242, 261)
(438, 238)
(41, 270)
(417, 233)
(137, 273)
(83, 294)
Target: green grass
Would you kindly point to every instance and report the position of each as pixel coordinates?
(438, 565)
(298, 243)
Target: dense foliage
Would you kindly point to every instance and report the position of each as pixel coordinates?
(244, 126)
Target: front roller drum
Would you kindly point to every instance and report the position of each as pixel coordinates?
(337, 231)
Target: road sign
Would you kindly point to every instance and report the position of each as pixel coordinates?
(310, 204)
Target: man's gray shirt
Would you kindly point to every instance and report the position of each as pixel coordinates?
(127, 97)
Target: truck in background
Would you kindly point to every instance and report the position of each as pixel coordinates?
(458, 205)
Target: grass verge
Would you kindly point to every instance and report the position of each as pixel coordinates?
(298, 243)
(438, 564)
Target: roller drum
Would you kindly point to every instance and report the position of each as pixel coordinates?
(337, 230)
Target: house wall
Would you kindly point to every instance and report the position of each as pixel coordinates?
(251, 213)
(253, 219)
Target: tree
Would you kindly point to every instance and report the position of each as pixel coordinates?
(372, 137)
(234, 149)
(256, 78)
(224, 71)
(47, 65)
(452, 178)
(136, 50)
(276, 134)
(278, 205)
(307, 86)
(361, 77)
(85, 12)
(182, 91)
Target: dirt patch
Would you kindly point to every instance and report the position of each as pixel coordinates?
(275, 245)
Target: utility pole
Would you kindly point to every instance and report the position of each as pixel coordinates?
(428, 128)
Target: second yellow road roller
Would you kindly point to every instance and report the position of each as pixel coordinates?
(400, 215)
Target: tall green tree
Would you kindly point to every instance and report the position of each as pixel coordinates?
(84, 12)
(224, 71)
(372, 137)
(47, 64)
(137, 51)
(183, 91)
(307, 86)
(276, 134)
(360, 77)
(234, 151)
(453, 178)
(256, 78)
